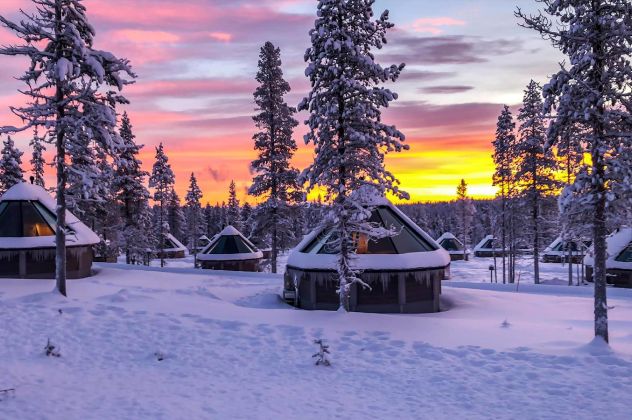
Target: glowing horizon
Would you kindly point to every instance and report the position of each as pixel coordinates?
(196, 67)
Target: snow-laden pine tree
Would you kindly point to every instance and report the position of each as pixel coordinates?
(466, 211)
(233, 209)
(195, 219)
(210, 220)
(144, 235)
(245, 217)
(37, 159)
(161, 180)
(71, 91)
(129, 185)
(591, 91)
(275, 179)
(10, 166)
(87, 185)
(503, 159)
(536, 165)
(345, 124)
(175, 216)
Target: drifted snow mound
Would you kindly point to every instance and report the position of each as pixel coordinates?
(123, 295)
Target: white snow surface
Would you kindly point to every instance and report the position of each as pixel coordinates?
(615, 242)
(232, 349)
(81, 234)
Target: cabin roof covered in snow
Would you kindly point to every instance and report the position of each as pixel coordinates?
(481, 245)
(78, 235)
(230, 245)
(550, 250)
(178, 245)
(435, 257)
(616, 243)
(450, 237)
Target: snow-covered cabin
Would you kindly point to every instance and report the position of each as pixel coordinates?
(232, 251)
(455, 248)
(202, 242)
(27, 236)
(557, 252)
(404, 271)
(619, 262)
(172, 248)
(485, 248)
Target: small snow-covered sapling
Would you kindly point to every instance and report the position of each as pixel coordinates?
(505, 324)
(160, 355)
(322, 353)
(51, 349)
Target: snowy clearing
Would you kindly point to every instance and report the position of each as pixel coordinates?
(233, 350)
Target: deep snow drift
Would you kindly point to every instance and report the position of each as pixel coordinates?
(233, 350)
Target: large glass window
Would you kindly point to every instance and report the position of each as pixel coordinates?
(488, 244)
(230, 244)
(11, 220)
(51, 219)
(406, 241)
(625, 255)
(451, 244)
(34, 223)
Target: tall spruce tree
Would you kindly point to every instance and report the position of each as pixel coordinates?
(69, 91)
(233, 210)
(161, 180)
(466, 211)
(175, 216)
(129, 185)
(592, 92)
(10, 166)
(195, 219)
(503, 159)
(536, 165)
(275, 179)
(346, 126)
(37, 159)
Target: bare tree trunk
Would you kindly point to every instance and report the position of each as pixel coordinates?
(275, 249)
(570, 264)
(503, 231)
(162, 235)
(599, 240)
(60, 232)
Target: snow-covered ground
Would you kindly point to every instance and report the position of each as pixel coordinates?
(233, 350)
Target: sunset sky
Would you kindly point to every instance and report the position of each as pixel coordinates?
(196, 61)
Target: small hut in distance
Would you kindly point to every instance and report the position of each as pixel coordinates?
(455, 248)
(172, 248)
(558, 251)
(232, 251)
(485, 248)
(27, 236)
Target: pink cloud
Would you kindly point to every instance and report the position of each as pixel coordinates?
(144, 37)
(434, 31)
(430, 24)
(221, 36)
(440, 21)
